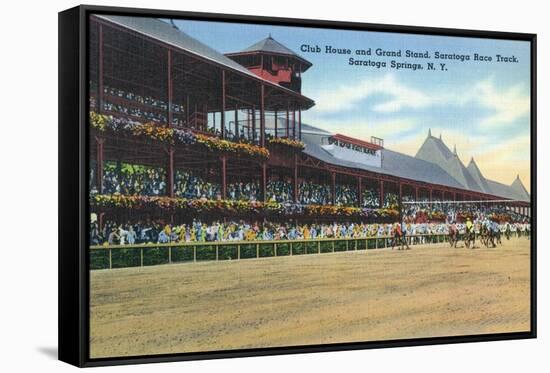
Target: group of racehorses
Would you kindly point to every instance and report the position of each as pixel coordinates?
(488, 237)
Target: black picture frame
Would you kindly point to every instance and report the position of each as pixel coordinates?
(73, 202)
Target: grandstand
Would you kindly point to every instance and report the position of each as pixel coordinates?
(177, 126)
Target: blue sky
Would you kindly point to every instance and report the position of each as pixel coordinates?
(482, 107)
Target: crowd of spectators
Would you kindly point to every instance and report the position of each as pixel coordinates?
(391, 200)
(129, 179)
(346, 195)
(453, 212)
(197, 231)
(280, 191)
(135, 111)
(218, 231)
(371, 198)
(244, 191)
(142, 100)
(314, 194)
(187, 185)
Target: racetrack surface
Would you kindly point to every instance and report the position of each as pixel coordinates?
(428, 291)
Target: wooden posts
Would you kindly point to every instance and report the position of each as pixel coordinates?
(100, 221)
(236, 121)
(360, 191)
(276, 127)
(223, 106)
(333, 188)
(253, 123)
(381, 202)
(99, 160)
(171, 172)
(100, 70)
(248, 123)
(262, 115)
(170, 88)
(287, 132)
(295, 180)
(263, 185)
(416, 193)
(224, 176)
(299, 123)
(187, 115)
(294, 124)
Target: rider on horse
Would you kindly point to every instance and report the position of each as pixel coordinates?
(399, 237)
(470, 235)
(453, 234)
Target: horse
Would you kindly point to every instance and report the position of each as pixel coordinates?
(488, 236)
(453, 235)
(470, 238)
(498, 235)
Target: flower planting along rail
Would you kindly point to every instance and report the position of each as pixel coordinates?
(107, 124)
(226, 206)
(120, 256)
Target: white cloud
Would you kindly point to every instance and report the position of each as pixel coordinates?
(346, 97)
(505, 105)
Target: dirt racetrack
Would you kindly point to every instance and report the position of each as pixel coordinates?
(310, 299)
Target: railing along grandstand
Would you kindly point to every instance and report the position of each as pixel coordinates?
(140, 255)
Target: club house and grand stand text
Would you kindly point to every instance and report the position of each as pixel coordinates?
(356, 57)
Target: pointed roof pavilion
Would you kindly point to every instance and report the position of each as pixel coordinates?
(474, 170)
(435, 151)
(518, 187)
(273, 47)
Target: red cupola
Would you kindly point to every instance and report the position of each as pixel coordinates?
(273, 61)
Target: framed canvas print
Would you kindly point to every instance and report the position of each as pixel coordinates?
(238, 186)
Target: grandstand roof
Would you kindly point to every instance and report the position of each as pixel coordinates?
(474, 170)
(435, 151)
(518, 187)
(393, 163)
(434, 163)
(166, 33)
